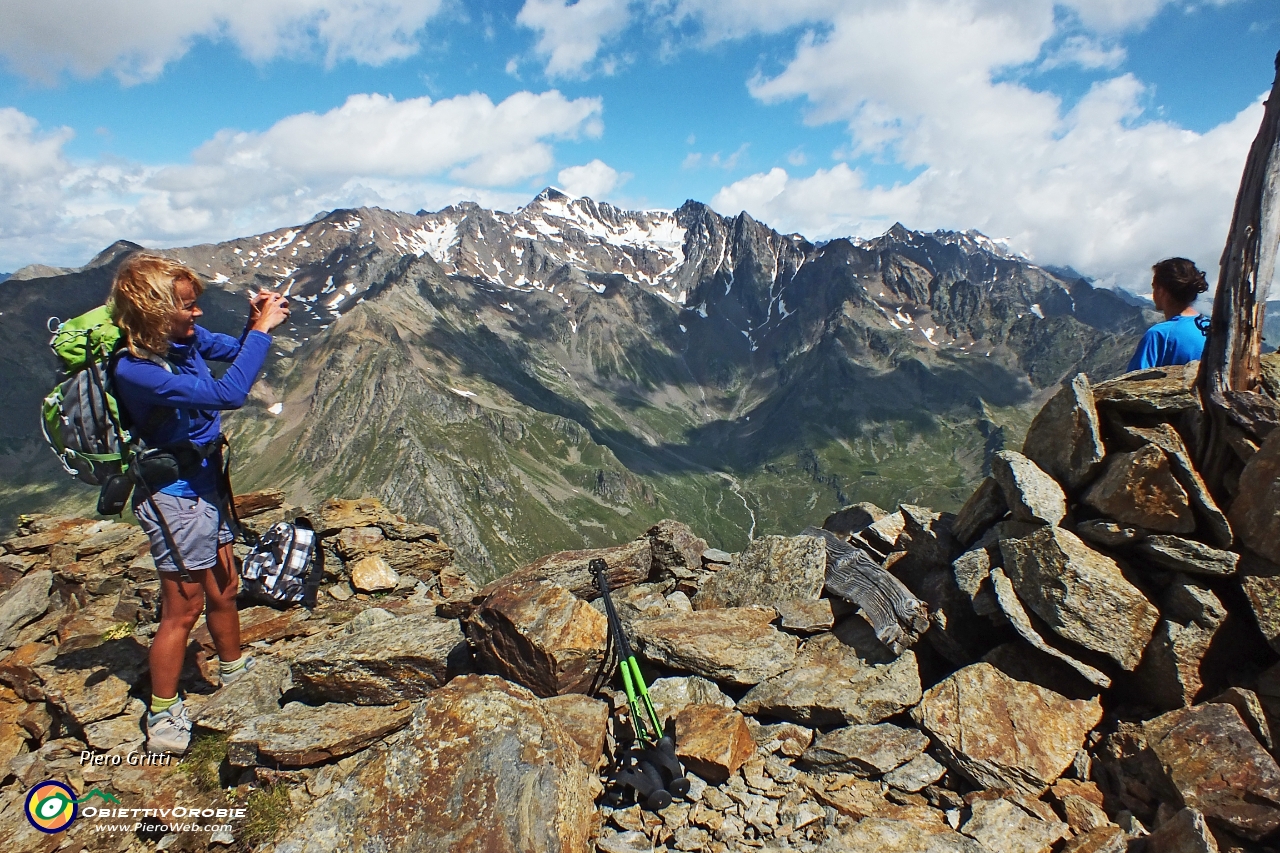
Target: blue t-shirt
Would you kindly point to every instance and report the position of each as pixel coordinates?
(189, 388)
(1175, 341)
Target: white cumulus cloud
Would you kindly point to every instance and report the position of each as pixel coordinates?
(1098, 185)
(372, 150)
(595, 179)
(136, 39)
(570, 34)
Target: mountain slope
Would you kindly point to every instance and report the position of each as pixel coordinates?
(567, 374)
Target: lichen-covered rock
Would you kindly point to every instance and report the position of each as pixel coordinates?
(539, 634)
(1001, 826)
(731, 645)
(1175, 554)
(1080, 594)
(1154, 391)
(676, 549)
(253, 694)
(984, 508)
(1217, 767)
(1002, 733)
(404, 658)
(482, 765)
(1255, 512)
(673, 694)
(772, 569)
(1169, 676)
(1139, 488)
(839, 680)
(585, 720)
(1065, 439)
(885, 835)
(1032, 494)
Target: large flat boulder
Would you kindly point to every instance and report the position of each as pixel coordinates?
(253, 694)
(886, 835)
(839, 679)
(1255, 512)
(301, 735)
(482, 765)
(1154, 391)
(538, 634)
(772, 569)
(732, 645)
(1065, 439)
(1080, 593)
(1032, 495)
(1175, 554)
(1139, 488)
(676, 549)
(1169, 676)
(1002, 733)
(403, 658)
(867, 750)
(628, 564)
(1218, 768)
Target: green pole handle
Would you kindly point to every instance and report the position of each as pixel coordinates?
(644, 693)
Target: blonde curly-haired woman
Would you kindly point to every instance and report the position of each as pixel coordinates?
(174, 402)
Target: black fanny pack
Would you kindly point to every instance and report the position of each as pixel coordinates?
(158, 467)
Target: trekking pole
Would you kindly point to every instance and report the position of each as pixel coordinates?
(660, 748)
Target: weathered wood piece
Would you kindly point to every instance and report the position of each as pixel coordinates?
(898, 617)
(1230, 371)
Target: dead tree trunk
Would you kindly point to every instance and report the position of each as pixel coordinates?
(1237, 415)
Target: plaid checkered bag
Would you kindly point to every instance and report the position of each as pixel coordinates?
(285, 566)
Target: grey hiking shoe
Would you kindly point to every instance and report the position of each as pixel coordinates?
(169, 730)
(226, 678)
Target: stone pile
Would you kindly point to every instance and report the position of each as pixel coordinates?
(1099, 672)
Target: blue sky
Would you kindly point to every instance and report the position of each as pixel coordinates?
(1102, 134)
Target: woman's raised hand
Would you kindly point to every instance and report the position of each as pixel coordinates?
(267, 310)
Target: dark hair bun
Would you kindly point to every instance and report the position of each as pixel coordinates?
(1180, 279)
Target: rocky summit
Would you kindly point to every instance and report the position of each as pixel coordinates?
(1072, 680)
(569, 374)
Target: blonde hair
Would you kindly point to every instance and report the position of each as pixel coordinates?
(144, 300)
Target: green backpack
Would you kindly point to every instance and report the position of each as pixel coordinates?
(80, 417)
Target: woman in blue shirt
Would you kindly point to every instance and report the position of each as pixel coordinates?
(1175, 284)
(174, 402)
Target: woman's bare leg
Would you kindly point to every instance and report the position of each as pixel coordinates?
(220, 587)
(180, 606)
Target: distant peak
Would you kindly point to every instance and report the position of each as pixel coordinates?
(552, 194)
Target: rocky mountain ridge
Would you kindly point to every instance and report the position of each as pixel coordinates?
(571, 370)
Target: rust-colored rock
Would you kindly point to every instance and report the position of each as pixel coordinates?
(301, 735)
(373, 574)
(1255, 512)
(1139, 488)
(732, 645)
(335, 514)
(713, 741)
(677, 550)
(772, 569)
(1065, 439)
(585, 720)
(1002, 733)
(1209, 756)
(539, 634)
(483, 765)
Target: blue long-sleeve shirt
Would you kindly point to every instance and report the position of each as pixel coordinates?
(191, 390)
(1176, 341)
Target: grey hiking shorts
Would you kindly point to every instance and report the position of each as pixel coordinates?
(197, 526)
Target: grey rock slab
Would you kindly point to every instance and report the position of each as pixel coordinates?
(885, 835)
(1169, 676)
(1080, 594)
(405, 658)
(716, 556)
(1021, 622)
(984, 508)
(731, 645)
(853, 518)
(864, 749)
(92, 684)
(772, 569)
(972, 571)
(998, 732)
(1065, 438)
(1003, 827)
(253, 694)
(26, 601)
(482, 765)
(1250, 709)
(838, 680)
(1032, 494)
(916, 775)
(806, 617)
(1109, 534)
(1176, 554)
(301, 735)
(1139, 489)
(125, 732)
(1155, 391)
(676, 549)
